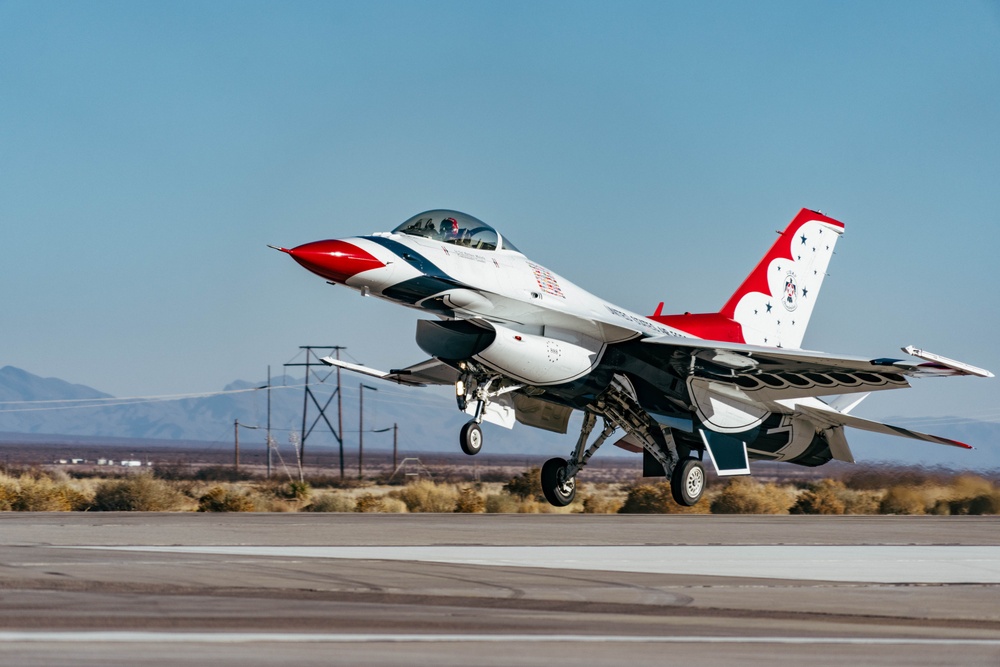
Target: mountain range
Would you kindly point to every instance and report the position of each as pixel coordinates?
(427, 418)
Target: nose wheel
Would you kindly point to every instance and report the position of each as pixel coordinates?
(471, 438)
(559, 488)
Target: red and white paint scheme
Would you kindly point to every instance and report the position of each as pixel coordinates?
(522, 344)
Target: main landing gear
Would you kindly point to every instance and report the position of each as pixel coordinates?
(559, 475)
(619, 409)
(687, 483)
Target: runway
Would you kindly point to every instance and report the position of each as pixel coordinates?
(241, 589)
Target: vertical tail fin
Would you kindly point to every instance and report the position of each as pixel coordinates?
(775, 302)
(773, 305)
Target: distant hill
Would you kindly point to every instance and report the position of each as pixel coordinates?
(428, 420)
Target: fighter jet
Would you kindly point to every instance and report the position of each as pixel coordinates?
(522, 344)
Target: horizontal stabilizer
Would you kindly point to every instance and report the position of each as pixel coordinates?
(427, 372)
(950, 364)
(820, 416)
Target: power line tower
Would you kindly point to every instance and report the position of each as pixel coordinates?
(313, 360)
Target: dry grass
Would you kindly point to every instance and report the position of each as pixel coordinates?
(138, 493)
(829, 496)
(744, 495)
(427, 496)
(911, 493)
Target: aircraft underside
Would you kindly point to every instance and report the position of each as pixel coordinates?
(648, 405)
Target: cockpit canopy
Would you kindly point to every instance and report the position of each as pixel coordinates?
(456, 228)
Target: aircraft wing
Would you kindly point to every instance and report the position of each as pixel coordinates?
(741, 358)
(427, 372)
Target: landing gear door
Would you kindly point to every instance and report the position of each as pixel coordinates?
(499, 411)
(728, 453)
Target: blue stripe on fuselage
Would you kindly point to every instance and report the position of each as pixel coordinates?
(433, 280)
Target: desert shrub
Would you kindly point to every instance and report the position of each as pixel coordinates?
(654, 499)
(43, 495)
(470, 502)
(426, 496)
(7, 496)
(822, 497)
(904, 499)
(527, 485)
(647, 499)
(294, 491)
(369, 502)
(601, 503)
(34, 492)
(984, 504)
(139, 493)
(968, 494)
(744, 495)
(501, 503)
(220, 499)
(862, 501)
(330, 502)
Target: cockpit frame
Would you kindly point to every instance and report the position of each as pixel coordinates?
(455, 228)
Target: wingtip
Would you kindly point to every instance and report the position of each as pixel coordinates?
(279, 248)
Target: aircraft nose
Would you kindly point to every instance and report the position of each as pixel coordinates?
(334, 260)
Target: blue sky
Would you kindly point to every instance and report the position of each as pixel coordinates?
(646, 150)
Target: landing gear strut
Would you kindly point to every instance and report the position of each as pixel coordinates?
(559, 475)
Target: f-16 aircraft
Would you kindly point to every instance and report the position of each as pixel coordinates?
(522, 344)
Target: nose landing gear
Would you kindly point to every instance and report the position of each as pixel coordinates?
(471, 438)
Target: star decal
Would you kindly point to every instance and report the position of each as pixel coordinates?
(754, 311)
(803, 237)
(805, 293)
(768, 306)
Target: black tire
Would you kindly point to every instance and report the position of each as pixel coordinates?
(688, 482)
(558, 490)
(471, 438)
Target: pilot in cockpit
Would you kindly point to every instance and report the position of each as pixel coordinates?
(449, 229)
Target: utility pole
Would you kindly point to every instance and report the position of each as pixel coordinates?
(340, 412)
(308, 394)
(236, 459)
(361, 429)
(269, 421)
(395, 442)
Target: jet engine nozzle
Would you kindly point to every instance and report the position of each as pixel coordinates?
(334, 260)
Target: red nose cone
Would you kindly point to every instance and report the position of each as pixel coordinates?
(334, 260)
